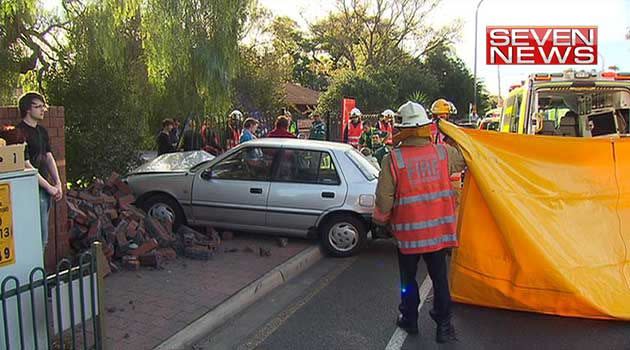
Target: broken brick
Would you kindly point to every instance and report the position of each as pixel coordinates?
(145, 248)
(108, 200)
(121, 233)
(97, 187)
(113, 177)
(112, 214)
(132, 229)
(95, 229)
(158, 231)
(151, 260)
(134, 213)
(126, 201)
(74, 211)
(167, 253)
(131, 262)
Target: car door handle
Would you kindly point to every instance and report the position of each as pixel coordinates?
(255, 190)
(328, 194)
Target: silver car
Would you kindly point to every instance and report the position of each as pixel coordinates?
(284, 187)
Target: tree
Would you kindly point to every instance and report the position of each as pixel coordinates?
(26, 44)
(259, 84)
(373, 33)
(195, 42)
(455, 80)
(309, 68)
(373, 90)
(102, 83)
(440, 75)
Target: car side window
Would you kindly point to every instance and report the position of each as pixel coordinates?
(249, 164)
(327, 172)
(305, 166)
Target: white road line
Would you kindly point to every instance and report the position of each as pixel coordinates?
(398, 338)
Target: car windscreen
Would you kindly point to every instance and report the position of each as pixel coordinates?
(367, 169)
(179, 161)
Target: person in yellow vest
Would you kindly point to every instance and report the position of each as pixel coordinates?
(354, 129)
(416, 203)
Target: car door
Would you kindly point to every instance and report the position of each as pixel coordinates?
(233, 192)
(304, 184)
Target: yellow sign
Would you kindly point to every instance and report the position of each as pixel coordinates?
(7, 246)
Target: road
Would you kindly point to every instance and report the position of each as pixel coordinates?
(352, 304)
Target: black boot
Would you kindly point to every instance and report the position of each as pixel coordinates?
(445, 332)
(408, 326)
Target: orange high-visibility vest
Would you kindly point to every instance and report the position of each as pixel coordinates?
(234, 137)
(354, 134)
(436, 135)
(423, 217)
(387, 127)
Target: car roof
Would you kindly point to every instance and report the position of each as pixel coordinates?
(298, 143)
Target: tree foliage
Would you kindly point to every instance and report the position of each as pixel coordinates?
(195, 42)
(364, 33)
(120, 67)
(440, 75)
(25, 44)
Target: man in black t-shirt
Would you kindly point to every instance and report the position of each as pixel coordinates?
(39, 154)
(164, 143)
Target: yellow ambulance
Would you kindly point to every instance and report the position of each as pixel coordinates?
(571, 103)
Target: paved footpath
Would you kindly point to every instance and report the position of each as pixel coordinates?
(146, 307)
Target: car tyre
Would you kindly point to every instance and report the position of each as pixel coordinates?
(161, 204)
(343, 235)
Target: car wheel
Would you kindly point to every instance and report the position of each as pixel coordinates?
(343, 235)
(162, 207)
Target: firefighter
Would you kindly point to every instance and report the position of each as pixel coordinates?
(233, 133)
(415, 202)
(354, 129)
(440, 109)
(386, 126)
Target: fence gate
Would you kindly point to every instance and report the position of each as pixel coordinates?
(64, 310)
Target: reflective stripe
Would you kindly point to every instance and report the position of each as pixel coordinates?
(425, 197)
(427, 242)
(424, 224)
(441, 152)
(400, 162)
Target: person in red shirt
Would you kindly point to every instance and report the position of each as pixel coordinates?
(281, 129)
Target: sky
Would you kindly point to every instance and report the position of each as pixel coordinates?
(611, 16)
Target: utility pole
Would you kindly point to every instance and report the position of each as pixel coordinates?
(474, 106)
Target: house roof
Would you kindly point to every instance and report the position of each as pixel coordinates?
(298, 95)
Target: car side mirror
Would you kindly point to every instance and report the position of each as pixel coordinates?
(206, 174)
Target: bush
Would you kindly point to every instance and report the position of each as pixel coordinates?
(104, 120)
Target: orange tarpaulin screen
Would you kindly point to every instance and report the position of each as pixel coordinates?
(544, 224)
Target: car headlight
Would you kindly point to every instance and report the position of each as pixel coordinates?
(366, 200)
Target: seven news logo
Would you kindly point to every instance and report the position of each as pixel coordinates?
(541, 45)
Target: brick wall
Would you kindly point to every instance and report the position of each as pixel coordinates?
(58, 245)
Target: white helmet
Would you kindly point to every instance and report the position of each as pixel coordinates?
(236, 114)
(413, 115)
(388, 113)
(355, 112)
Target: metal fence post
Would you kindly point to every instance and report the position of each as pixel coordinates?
(99, 260)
